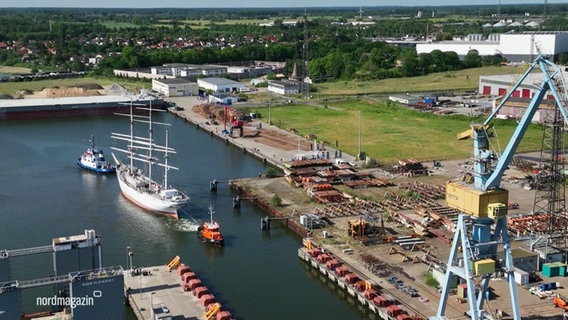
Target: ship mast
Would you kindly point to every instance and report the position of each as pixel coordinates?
(151, 142)
(131, 142)
(211, 213)
(166, 167)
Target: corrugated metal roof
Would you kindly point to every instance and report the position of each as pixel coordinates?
(220, 81)
(173, 81)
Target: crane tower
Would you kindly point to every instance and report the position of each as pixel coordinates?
(305, 84)
(482, 226)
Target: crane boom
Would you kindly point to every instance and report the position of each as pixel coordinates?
(488, 169)
(549, 82)
(483, 224)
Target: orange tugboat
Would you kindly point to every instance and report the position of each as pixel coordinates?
(209, 231)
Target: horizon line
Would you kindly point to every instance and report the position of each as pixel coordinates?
(281, 7)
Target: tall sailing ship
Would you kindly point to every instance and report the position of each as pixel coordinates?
(136, 183)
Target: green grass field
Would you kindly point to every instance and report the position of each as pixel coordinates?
(14, 70)
(201, 24)
(119, 25)
(390, 132)
(444, 81)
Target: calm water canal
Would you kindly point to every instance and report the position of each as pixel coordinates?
(44, 194)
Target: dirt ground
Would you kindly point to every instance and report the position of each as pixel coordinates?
(74, 91)
(283, 140)
(254, 130)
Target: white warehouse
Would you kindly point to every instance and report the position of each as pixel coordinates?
(220, 85)
(516, 47)
(284, 87)
(175, 87)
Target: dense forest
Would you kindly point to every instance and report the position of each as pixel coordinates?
(342, 43)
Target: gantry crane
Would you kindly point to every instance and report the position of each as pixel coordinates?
(482, 226)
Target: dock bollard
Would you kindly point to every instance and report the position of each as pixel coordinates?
(236, 202)
(213, 185)
(265, 223)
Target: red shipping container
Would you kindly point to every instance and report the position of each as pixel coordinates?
(182, 268)
(342, 271)
(381, 301)
(186, 277)
(351, 278)
(207, 299)
(194, 283)
(332, 264)
(370, 293)
(223, 315)
(394, 310)
(200, 292)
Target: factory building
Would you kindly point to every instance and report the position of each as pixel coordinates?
(220, 85)
(175, 87)
(405, 99)
(284, 87)
(497, 86)
(184, 70)
(222, 98)
(515, 47)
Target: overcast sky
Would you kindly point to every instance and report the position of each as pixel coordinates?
(251, 3)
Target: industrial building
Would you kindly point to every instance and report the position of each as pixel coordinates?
(175, 87)
(284, 87)
(174, 70)
(220, 85)
(189, 70)
(405, 99)
(86, 288)
(221, 98)
(244, 72)
(515, 47)
(497, 86)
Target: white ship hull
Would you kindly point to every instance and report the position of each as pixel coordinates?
(145, 197)
(137, 185)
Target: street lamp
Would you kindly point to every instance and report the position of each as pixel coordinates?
(152, 305)
(269, 102)
(129, 255)
(359, 153)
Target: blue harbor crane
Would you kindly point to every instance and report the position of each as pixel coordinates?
(482, 225)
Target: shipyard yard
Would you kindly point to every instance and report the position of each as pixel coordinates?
(375, 232)
(329, 215)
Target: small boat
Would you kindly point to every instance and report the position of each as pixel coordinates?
(94, 159)
(209, 231)
(137, 184)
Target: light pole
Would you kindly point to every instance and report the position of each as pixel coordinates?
(269, 102)
(152, 305)
(129, 255)
(359, 154)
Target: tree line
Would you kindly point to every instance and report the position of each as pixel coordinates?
(335, 50)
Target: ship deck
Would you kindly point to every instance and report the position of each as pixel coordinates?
(161, 287)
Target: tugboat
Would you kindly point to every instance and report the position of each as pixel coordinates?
(94, 159)
(209, 231)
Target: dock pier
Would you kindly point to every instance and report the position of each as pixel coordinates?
(158, 287)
